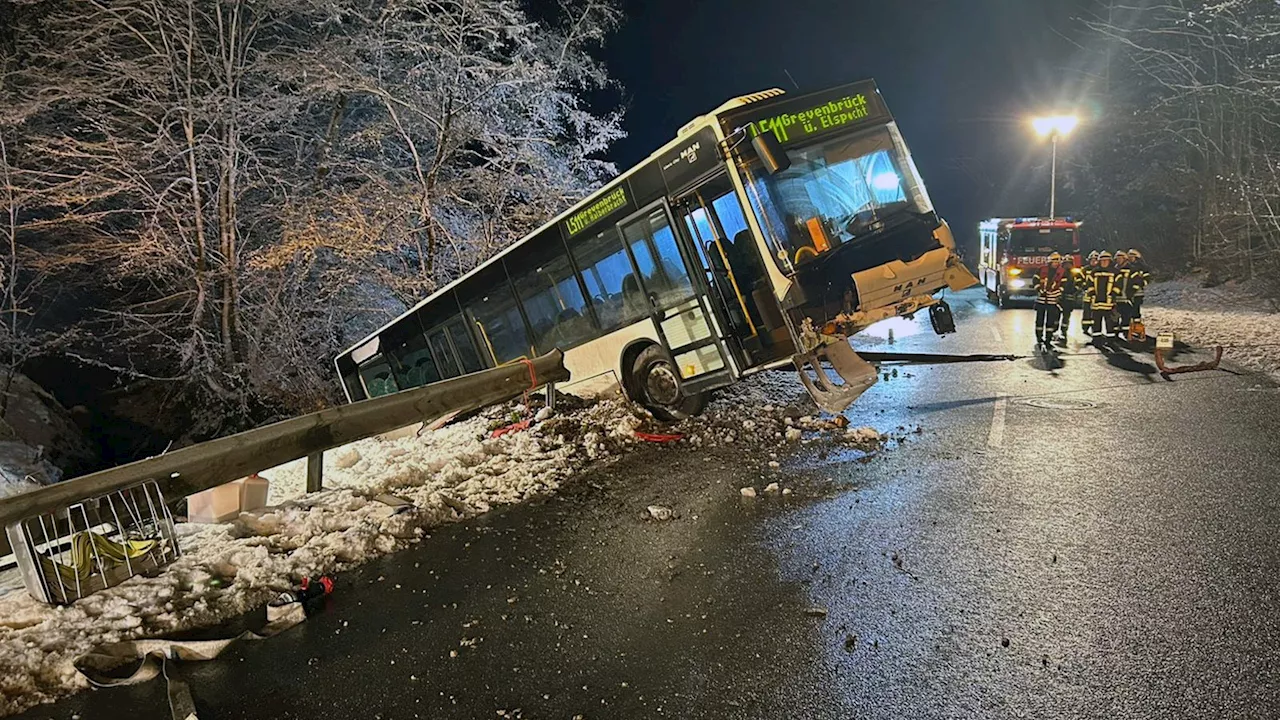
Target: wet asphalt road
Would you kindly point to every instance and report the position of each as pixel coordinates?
(1082, 541)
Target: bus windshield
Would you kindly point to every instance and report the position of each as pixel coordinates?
(835, 192)
(1041, 241)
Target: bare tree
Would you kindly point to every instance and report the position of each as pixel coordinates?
(228, 183)
(1196, 87)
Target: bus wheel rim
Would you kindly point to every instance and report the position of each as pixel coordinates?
(661, 384)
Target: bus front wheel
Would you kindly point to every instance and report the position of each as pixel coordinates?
(657, 385)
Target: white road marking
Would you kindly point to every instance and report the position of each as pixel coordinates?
(995, 333)
(996, 438)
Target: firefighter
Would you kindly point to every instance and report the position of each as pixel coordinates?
(1050, 283)
(1071, 296)
(1086, 311)
(1100, 295)
(1139, 278)
(1124, 305)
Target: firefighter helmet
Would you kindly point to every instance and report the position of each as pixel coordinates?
(1135, 254)
(1093, 255)
(1104, 255)
(1055, 257)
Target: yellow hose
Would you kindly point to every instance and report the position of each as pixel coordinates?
(83, 561)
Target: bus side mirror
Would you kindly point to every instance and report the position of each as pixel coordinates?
(770, 152)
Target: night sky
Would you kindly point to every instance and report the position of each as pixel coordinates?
(961, 77)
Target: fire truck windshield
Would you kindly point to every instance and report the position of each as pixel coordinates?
(1041, 241)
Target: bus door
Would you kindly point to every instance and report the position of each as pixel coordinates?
(680, 308)
(717, 229)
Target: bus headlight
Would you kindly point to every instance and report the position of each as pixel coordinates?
(1015, 272)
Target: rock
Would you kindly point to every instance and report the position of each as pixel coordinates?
(346, 458)
(748, 492)
(1004, 642)
(774, 464)
(840, 421)
(816, 612)
(771, 488)
(793, 434)
(660, 513)
(543, 414)
(748, 424)
(850, 642)
(786, 491)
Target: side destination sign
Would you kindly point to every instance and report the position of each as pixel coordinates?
(596, 211)
(794, 120)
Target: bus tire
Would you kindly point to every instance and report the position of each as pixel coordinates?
(991, 296)
(657, 386)
(1002, 298)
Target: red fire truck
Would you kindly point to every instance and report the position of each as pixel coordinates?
(1014, 249)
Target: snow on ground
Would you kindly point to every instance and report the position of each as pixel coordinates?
(1230, 314)
(448, 474)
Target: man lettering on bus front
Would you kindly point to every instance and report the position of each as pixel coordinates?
(1050, 284)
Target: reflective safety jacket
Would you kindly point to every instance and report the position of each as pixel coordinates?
(1076, 288)
(1051, 284)
(1101, 288)
(1139, 278)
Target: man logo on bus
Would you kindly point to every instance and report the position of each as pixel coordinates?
(690, 154)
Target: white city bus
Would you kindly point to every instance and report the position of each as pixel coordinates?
(764, 234)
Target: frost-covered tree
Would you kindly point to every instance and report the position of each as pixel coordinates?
(225, 184)
(451, 127)
(1193, 92)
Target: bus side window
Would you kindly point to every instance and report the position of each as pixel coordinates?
(376, 375)
(414, 366)
(467, 355)
(606, 269)
(499, 324)
(654, 247)
(350, 375)
(553, 302)
(444, 354)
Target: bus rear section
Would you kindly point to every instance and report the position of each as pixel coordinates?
(1013, 250)
(844, 218)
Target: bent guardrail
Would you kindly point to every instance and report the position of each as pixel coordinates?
(206, 465)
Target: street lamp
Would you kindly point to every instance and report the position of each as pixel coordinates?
(1053, 127)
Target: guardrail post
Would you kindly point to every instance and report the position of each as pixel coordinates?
(315, 471)
(551, 396)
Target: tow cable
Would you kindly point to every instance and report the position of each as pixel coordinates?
(934, 358)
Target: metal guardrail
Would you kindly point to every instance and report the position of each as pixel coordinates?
(196, 468)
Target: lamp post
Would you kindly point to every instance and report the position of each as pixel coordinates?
(1053, 127)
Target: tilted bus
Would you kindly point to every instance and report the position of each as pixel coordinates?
(764, 234)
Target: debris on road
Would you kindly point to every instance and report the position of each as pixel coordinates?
(816, 612)
(850, 642)
(748, 492)
(660, 513)
(772, 488)
(786, 491)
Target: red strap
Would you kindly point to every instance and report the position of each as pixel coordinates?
(533, 374)
(657, 438)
